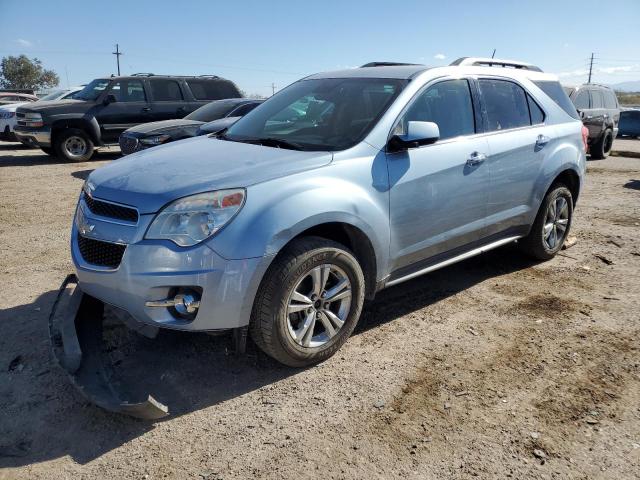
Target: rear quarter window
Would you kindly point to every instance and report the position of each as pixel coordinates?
(212, 89)
(555, 91)
(610, 99)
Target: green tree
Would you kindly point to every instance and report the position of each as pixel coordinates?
(21, 72)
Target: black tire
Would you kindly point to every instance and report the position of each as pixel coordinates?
(535, 244)
(602, 148)
(270, 319)
(48, 150)
(64, 150)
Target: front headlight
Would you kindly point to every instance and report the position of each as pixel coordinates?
(191, 220)
(33, 120)
(155, 140)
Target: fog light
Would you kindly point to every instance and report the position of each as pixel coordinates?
(182, 302)
(186, 304)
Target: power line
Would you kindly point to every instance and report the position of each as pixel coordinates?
(117, 53)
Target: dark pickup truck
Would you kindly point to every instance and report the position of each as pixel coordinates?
(106, 107)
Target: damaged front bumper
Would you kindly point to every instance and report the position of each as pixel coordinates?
(75, 328)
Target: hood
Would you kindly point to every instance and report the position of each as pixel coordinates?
(45, 105)
(154, 128)
(152, 178)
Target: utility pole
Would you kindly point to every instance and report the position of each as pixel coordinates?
(494, 53)
(117, 53)
(273, 89)
(590, 68)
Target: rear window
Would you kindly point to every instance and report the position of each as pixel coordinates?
(213, 89)
(506, 104)
(610, 99)
(165, 90)
(555, 91)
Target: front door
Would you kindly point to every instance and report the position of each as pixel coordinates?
(130, 108)
(438, 192)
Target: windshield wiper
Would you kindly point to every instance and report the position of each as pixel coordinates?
(277, 142)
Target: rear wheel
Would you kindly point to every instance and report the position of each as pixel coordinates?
(602, 148)
(309, 302)
(73, 145)
(552, 224)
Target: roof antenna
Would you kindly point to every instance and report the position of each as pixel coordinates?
(494, 53)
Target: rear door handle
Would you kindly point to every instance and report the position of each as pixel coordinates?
(542, 140)
(146, 109)
(476, 158)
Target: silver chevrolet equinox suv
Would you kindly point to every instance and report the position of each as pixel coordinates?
(340, 185)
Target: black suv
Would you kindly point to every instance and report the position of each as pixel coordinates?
(106, 107)
(600, 113)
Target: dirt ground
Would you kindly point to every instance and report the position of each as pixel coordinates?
(493, 368)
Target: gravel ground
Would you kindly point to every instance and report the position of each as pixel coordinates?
(495, 367)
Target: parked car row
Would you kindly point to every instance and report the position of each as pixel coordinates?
(71, 129)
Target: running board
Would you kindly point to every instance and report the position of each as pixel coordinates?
(459, 258)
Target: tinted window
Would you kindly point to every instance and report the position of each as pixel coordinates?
(319, 114)
(212, 89)
(128, 91)
(448, 104)
(165, 90)
(212, 111)
(243, 110)
(555, 91)
(597, 100)
(582, 100)
(536, 113)
(93, 90)
(506, 104)
(610, 99)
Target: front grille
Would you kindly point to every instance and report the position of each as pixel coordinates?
(110, 210)
(100, 253)
(128, 144)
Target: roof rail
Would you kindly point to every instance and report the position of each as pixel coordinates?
(386, 64)
(142, 74)
(494, 62)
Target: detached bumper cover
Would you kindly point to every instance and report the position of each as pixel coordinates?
(75, 328)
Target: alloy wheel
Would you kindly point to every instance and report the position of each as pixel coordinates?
(318, 305)
(556, 223)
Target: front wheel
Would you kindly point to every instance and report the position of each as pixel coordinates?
(309, 302)
(551, 226)
(73, 145)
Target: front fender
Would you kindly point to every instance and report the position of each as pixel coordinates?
(88, 123)
(275, 212)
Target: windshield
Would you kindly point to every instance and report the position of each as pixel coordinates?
(54, 95)
(212, 111)
(93, 90)
(323, 114)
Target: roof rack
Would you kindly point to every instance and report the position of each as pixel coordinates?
(142, 74)
(386, 64)
(494, 62)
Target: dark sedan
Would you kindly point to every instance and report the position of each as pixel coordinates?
(158, 133)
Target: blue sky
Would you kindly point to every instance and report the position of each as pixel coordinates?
(257, 43)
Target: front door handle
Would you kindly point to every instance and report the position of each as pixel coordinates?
(146, 109)
(542, 140)
(476, 158)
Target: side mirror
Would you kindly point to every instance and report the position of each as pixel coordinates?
(418, 134)
(111, 98)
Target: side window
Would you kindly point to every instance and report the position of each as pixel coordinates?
(448, 104)
(128, 91)
(610, 99)
(597, 101)
(536, 113)
(582, 101)
(506, 104)
(165, 90)
(212, 89)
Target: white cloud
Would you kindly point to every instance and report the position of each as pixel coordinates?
(608, 70)
(439, 56)
(24, 43)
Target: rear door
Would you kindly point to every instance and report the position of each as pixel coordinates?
(167, 99)
(519, 141)
(130, 108)
(438, 192)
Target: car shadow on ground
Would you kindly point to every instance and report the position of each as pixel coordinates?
(187, 372)
(632, 184)
(38, 157)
